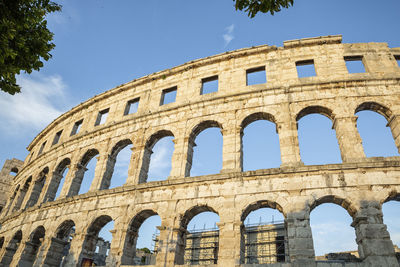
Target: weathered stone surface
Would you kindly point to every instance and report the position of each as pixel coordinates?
(359, 184)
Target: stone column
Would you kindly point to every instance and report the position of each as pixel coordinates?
(144, 164)
(179, 158)
(168, 251)
(188, 156)
(108, 171)
(75, 251)
(75, 183)
(231, 150)
(229, 250)
(26, 254)
(52, 188)
(134, 165)
(9, 251)
(114, 255)
(53, 253)
(301, 247)
(98, 172)
(374, 244)
(289, 143)
(128, 238)
(349, 139)
(394, 124)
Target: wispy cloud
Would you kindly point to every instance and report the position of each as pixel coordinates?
(42, 100)
(160, 163)
(228, 35)
(333, 237)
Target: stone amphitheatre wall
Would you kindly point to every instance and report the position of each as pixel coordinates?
(31, 217)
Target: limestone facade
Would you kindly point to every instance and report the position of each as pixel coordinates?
(35, 227)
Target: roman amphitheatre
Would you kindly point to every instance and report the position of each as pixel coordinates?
(39, 230)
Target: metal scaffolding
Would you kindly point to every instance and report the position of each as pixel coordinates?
(265, 243)
(202, 247)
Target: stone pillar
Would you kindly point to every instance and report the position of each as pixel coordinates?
(229, 250)
(169, 244)
(98, 172)
(26, 254)
(289, 143)
(9, 252)
(349, 139)
(114, 255)
(301, 247)
(75, 183)
(188, 156)
(394, 124)
(53, 254)
(52, 188)
(129, 247)
(231, 150)
(145, 163)
(16, 204)
(374, 244)
(108, 171)
(134, 165)
(34, 192)
(179, 158)
(75, 250)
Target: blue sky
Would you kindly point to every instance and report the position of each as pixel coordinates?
(102, 44)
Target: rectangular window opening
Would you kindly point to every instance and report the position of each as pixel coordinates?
(168, 95)
(397, 57)
(77, 127)
(354, 64)
(41, 148)
(57, 137)
(256, 76)
(209, 85)
(132, 106)
(102, 117)
(305, 68)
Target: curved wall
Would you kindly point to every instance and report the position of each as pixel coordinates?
(359, 184)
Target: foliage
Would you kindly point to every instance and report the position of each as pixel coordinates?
(145, 250)
(252, 7)
(24, 39)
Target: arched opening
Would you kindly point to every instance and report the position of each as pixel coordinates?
(317, 139)
(376, 135)
(96, 246)
(142, 239)
(263, 234)
(157, 156)
(32, 247)
(198, 238)
(58, 251)
(260, 142)
(11, 248)
(390, 210)
(14, 171)
(57, 180)
(205, 149)
(37, 188)
(84, 173)
(333, 235)
(117, 165)
(21, 194)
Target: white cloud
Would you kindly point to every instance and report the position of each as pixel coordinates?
(160, 162)
(228, 36)
(35, 107)
(333, 237)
